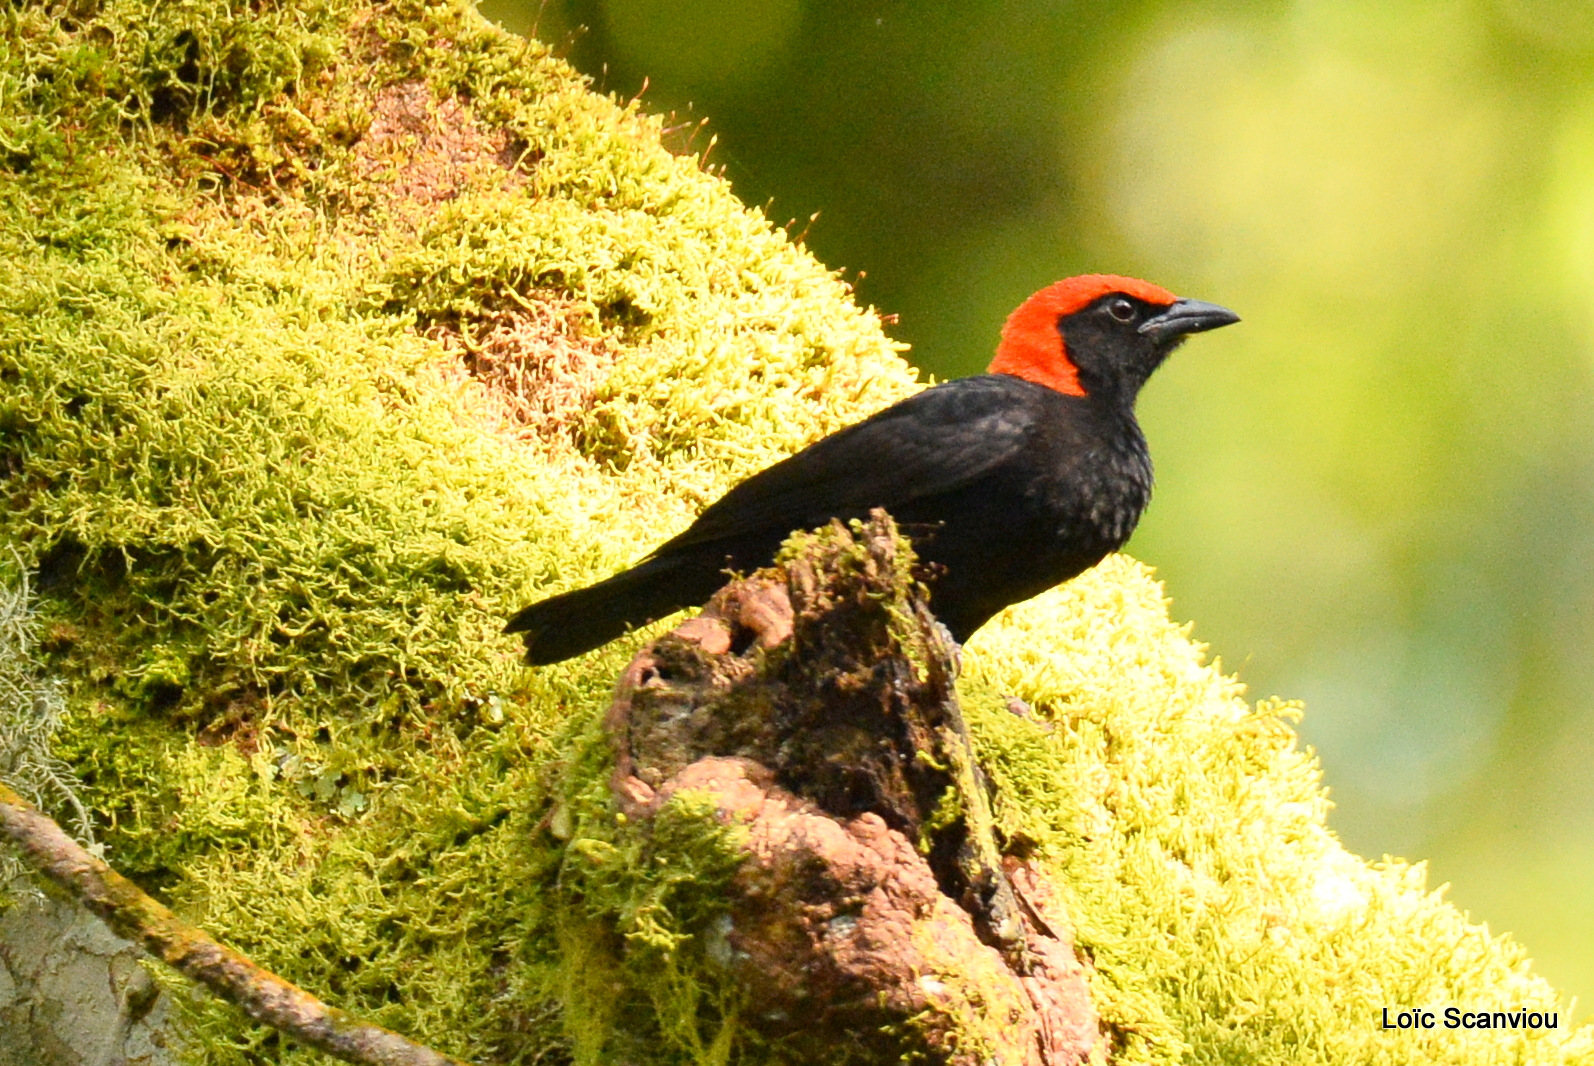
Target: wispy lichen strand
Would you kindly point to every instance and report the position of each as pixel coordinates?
(32, 707)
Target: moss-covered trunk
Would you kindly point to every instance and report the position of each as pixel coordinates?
(331, 332)
(795, 758)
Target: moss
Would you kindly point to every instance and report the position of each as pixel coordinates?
(634, 909)
(277, 524)
(638, 979)
(1225, 921)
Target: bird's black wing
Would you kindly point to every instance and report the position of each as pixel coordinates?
(932, 442)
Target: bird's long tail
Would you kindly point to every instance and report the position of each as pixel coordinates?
(573, 622)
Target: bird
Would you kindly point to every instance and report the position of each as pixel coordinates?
(1006, 483)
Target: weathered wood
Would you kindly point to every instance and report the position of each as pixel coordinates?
(874, 911)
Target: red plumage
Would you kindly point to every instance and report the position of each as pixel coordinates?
(1032, 346)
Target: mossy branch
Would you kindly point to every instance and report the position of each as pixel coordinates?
(132, 914)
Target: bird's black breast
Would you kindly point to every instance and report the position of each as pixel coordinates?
(1096, 479)
(1053, 507)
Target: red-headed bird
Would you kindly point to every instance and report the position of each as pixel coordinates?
(1007, 482)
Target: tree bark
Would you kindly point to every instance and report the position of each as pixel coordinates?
(813, 705)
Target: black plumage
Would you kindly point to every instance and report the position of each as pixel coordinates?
(1007, 483)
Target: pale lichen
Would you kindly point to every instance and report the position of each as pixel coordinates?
(32, 706)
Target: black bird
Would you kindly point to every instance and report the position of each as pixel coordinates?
(1007, 482)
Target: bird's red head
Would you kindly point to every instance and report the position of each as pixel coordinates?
(1032, 344)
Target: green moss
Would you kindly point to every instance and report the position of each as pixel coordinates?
(276, 531)
(638, 977)
(1225, 921)
(277, 528)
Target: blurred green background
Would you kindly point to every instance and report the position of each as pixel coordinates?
(1377, 493)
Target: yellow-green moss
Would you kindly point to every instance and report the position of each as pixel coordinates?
(1225, 921)
(276, 536)
(639, 909)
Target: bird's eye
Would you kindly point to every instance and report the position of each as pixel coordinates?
(1122, 310)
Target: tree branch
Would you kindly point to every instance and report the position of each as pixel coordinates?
(132, 914)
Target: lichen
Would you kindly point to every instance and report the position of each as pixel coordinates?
(31, 709)
(277, 513)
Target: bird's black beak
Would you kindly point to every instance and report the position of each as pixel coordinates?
(1187, 316)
